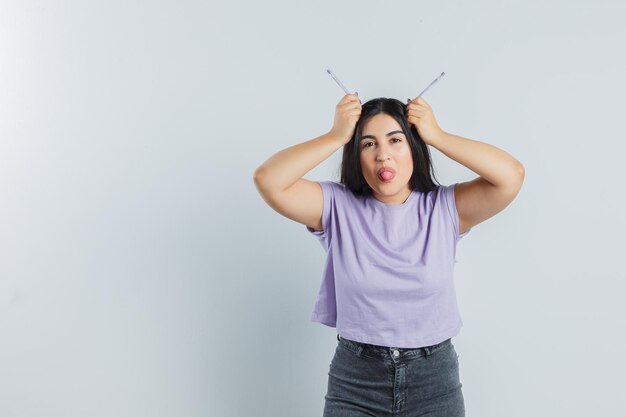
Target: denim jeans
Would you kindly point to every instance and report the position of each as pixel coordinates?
(372, 380)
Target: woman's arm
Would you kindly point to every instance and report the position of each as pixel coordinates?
(500, 180)
(500, 175)
(491, 163)
(279, 179)
(286, 167)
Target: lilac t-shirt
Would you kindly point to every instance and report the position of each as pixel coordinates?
(388, 277)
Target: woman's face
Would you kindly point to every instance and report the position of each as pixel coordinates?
(383, 144)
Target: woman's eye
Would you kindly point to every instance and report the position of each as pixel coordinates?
(370, 143)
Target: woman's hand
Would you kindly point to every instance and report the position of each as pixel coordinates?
(420, 114)
(347, 113)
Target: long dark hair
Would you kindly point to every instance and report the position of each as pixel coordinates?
(423, 178)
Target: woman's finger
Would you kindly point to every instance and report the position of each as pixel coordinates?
(414, 106)
(349, 104)
(416, 112)
(348, 98)
(421, 101)
(418, 102)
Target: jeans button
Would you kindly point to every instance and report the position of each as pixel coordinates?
(396, 353)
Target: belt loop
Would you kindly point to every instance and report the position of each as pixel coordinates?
(359, 350)
(427, 350)
(337, 336)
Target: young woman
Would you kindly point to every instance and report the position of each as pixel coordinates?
(391, 234)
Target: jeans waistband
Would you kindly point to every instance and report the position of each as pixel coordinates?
(385, 351)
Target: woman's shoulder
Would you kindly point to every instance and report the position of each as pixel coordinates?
(337, 190)
(333, 185)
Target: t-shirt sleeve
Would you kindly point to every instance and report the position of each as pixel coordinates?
(448, 193)
(324, 235)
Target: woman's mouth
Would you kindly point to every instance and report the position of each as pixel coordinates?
(386, 174)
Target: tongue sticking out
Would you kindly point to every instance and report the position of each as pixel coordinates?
(386, 175)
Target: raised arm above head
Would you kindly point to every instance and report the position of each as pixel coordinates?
(279, 179)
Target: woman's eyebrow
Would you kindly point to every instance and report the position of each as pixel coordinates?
(388, 134)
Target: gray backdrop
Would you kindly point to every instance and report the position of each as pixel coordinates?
(141, 274)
